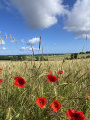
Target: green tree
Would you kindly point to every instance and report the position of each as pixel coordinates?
(74, 56)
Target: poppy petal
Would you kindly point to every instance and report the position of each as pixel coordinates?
(75, 115)
(41, 101)
(1, 81)
(55, 105)
(19, 81)
(52, 78)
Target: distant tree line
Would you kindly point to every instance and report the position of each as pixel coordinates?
(75, 56)
(13, 58)
(41, 58)
(84, 52)
(23, 57)
(5, 58)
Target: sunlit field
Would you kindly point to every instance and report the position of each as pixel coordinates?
(18, 103)
(44, 59)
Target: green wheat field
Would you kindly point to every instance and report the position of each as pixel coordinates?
(70, 90)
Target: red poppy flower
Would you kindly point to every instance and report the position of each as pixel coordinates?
(55, 105)
(75, 115)
(51, 78)
(1, 81)
(87, 95)
(19, 81)
(0, 70)
(41, 101)
(76, 119)
(60, 72)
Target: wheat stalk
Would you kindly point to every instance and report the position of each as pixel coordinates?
(1, 40)
(5, 36)
(40, 43)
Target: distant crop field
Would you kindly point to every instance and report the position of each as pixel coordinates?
(61, 57)
(72, 89)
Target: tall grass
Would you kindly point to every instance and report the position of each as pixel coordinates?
(71, 88)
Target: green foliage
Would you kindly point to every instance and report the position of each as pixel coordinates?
(41, 58)
(4, 57)
(81, 53)
(74, 56)
(19, 57)
(66, 58)
(87, 52)
(45, 59)
(84, 52)
(37, 58)
(13, 58)
(88, 56)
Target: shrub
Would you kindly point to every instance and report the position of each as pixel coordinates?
(74, 56)
(41, 58)
(37, 58)
(88, 56)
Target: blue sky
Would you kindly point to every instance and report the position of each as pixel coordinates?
(62, 24)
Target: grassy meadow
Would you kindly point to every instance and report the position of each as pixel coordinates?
(70, 90)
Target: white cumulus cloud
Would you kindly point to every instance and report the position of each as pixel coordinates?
(40, 13)
(78, 19)
(29, 48)
(23, 48)
(3, 48)
(33, 41)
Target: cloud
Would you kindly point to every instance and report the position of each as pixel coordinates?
(2, 42)
(78, 19)
(22, 41)
(40, 13)
(29, 48)
(3, 48)
(33, 41)
(23, 48)
(84, 36)
(35, 49)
